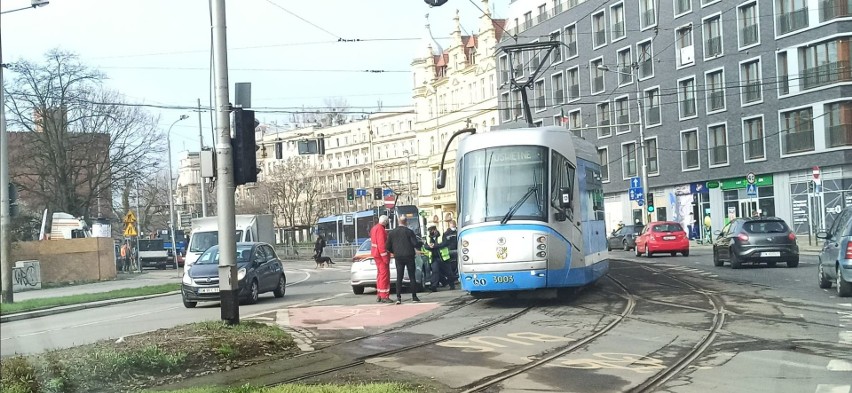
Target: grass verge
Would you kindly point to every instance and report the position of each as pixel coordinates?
(296, 388)
(39, 304)
(146, 360)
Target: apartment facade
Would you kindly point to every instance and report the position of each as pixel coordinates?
(727, 89)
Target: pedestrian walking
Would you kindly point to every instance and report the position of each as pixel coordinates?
(403, 244)
(319, 246)
(125, 256)
(439, 256)
(451, 236)
(378, 240)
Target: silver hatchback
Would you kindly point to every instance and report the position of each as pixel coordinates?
(835, 259)
(363, 274)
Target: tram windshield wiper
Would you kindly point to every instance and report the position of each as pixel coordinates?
(533, 189)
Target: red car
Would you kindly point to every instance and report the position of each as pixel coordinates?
(662, 236)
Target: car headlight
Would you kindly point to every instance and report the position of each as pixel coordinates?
(187, 279)
(241, 274)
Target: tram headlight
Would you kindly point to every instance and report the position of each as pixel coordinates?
(465, 258)
(465, 251)
(541, 254)
(542, 247)
(542, 239)
(465, 243)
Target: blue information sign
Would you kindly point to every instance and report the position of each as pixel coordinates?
(635, 182)
(635, 194)
(751, 190)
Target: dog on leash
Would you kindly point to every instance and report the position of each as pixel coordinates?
(323, 262)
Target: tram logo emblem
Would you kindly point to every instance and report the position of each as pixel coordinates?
(502, 252)
(501, 241)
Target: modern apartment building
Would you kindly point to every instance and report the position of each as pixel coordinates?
(727, 89)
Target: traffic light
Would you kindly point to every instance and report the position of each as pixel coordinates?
(435, 3)
(350, 194)
(811, 186)
(244, 148)
(377, 193)
(13, 200)
(650, 202)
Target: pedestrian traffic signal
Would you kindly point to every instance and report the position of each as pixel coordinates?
(350, 194)
(377, 193)
(650, 202)
(244, 148)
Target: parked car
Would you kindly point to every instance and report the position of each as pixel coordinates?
(624, 238)
(660, 237)
(363, 251)
(259, 271)
(756, 240)
(363, 274)
(835, 259)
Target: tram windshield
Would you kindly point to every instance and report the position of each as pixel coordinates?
(494, 180)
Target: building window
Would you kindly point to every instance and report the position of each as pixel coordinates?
(603, 157)
(713, 37)
(628, 152)
(556, 55)
(717, 145)
(647, 13)
(622, 115)
(625, 67)
(651, 156)
(797, 131)
(753, 139)
(750, 79)
(571, 41)
(792, 15)
(783, 75)
(599, 29)
(575, 122)
(538, 123)
(573, 84)
(715, 85)
(689, 149)
(279, 151)
(652, 106)
(528, 20)
(682, 6)
(748, 23)
(540, 103)
(830, 9)
(685, 50)
(597, 76)
(825, 63)
(646, 59)
(542, 13)
(535, 61)
(517, 104)
(838, 124)
(604, 120)
(558, 89)
(557, 6)
(616, 18)
(507, 107)
(686, 96)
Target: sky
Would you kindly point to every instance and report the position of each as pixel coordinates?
(157, 51)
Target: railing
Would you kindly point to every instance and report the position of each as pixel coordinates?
(652, 162)
(784, 84)
(603, 128)
(574, 92)
(717, 100)
(618, 30)
(600, 38)
(653, 115)
(559, 96)
(840, 135)
(687, 107)
(572, 48)
(690, 159)
(749, 34)
(754, 149)
(543, 16)
(622, 121)
(648, 18)
(605, 172)
(826, 74)
(624, 75)
(713, 47)
(507, 114)
(752, 92)
(647, 68)
(597, 84)
(683, 6)
(528, 24)
(557, 8)
(831, 9)
(539, 103)
(795, 142)
(718, 155)
(793, 21)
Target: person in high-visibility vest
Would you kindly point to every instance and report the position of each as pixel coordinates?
(439, 256)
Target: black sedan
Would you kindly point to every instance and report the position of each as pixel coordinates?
(259, 271)
(756, 240)
(624, 238)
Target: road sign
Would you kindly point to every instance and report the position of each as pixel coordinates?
(348, 219)
(751, 178)
(130, 230)
(635, 194)
(816, 172)
(751, 190)
(640, 202)
(130, 218)
(635, 182)
(713, 184)
(390, 201)
(360, 192)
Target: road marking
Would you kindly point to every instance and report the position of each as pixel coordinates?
(320, 300)
(823, 388)
(488, 344)
(307, 276)
(845, 337)
(839, 365)
(621, 361)
(845, 304)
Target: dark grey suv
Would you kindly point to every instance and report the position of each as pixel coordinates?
(835, 259)
(756, 240)
(259, 271)
(624, 238)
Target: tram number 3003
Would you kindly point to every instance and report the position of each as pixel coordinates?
(497, 280)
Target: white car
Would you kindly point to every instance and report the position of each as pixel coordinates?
(363, 274)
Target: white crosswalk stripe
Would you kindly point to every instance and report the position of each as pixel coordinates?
(825, 388)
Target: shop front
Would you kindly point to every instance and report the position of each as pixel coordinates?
(815, 205)
(739, 203)
(692, 203)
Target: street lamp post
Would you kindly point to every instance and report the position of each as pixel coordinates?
(408, 165)
(5, 222)
(634, 73)
(171, 194)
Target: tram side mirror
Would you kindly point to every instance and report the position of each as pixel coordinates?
(442, 179)
(565, 194)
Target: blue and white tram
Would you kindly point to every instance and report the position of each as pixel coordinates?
(530, 211)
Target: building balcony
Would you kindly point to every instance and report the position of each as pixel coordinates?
(649, 17)
(754, 149)
(690, 159)
(571, 47)
(687, 107)
(752, 92)
(574, 91)
(597, 84)
(749, 34)
(622, 121)
(713, 47)
(831, 9)
(653, 115)
(618, 30)
(840, 135)
(798, 141)
(717, 100)
(600, 38)
(646, 68)
(719, 155)
(557, 8)
(793, 21)
(825, 74)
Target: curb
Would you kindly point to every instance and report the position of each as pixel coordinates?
(77, 307)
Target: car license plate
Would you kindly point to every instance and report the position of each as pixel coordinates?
(771, 254)
(208, 290)
(668, 237)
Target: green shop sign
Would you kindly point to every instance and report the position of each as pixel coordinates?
(712, 184)
(740, 182)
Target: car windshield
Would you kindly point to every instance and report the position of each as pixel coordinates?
(365, 246)
(211, 256)
(151, 245)
(496, 179)
(201, 241)
(667, 228)
(765, 227)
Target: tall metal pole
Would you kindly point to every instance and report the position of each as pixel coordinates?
(200, 149)
(410, 188)
(641, 154)
(138, 229)
(225, 188)
(5, 238)
(171, 192)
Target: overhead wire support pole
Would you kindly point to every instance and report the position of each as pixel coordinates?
(225, 188)
(5, 237)
(201, 148)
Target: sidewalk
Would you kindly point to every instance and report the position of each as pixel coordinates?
(124, 281)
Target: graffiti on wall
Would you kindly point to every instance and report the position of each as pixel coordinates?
(26, 275)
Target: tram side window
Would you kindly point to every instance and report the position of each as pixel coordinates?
(594, 195)
(562, 175)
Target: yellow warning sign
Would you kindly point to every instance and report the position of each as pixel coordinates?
(130, 218)
(130, 230)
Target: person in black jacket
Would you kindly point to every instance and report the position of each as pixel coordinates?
(451, 237)
(319, 246)
(402, 243)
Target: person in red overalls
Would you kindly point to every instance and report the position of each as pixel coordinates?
(378, 240)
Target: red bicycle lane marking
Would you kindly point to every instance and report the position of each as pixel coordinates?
(355, 317)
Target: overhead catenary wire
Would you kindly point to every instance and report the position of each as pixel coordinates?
(303, 19)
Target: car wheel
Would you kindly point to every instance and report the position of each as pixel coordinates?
(608, 247)
(674, 254)
(771, 264)
(793, 263)
(716, 260)
(824, 283)
(844, 289)
(648, 251)
(281, 288)
(685, 253)
(624, 246)
(638, 253)
(357, 289)
(189, 304)
(253, 292)
(735, 260)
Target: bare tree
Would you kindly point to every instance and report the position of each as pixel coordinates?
(153, 212)
(311, 209)
(82, 140)
(335, 111)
